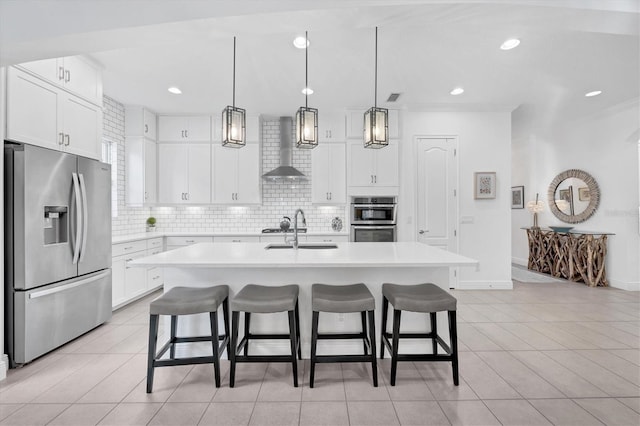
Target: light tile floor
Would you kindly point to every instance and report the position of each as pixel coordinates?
(542, 353)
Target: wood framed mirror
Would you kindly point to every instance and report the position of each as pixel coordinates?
(574, 196)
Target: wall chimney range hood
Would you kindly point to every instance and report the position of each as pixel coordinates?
(285, 172)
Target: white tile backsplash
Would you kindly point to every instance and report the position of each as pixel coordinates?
(278, 199)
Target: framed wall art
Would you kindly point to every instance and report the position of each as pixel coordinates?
(484, 185)
(517, 197)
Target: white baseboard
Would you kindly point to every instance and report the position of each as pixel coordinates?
(519, 261)
(485, 285)
(624, 285)
(4, 366)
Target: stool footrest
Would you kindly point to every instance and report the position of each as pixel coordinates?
(342, 358)
(424, 357)
(184, 361)
(411, 335)
(387, 343)
(337, 336)
(263, 358)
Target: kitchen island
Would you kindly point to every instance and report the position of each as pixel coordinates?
(238, 264)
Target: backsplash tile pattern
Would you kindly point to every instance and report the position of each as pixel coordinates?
(278, 199)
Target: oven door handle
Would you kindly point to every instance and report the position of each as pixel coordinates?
(372, 206)
(373, 227)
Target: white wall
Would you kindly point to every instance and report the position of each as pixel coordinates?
(605, 146)
(484, 144)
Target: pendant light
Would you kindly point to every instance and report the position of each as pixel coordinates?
(233, 118)
(376, 120)
(306, 118)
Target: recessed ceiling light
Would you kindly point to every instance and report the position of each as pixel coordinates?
(307, 91)
(594, 93)
(174, 90)
(301, 42)
(510, 44)
(457, 91)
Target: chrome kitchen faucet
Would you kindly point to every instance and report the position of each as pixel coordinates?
(294, 241)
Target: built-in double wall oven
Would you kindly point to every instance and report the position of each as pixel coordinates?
(373, 219)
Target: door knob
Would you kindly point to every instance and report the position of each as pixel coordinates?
(422, 231)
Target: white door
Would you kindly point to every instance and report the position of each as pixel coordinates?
(171, 128)
(82, 127)
(225, 174)
(199, 174)
(150, 158)
(437, 188)
(361, 162)
(82, 78)
(386, 168)
(337, 174)
(320, 158)
(172, 176)
(249, 174)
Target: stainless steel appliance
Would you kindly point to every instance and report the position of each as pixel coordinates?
(373, 219)
(57, 248)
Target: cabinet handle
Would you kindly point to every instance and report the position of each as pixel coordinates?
(371, 178)
(186, 133)
(67, 76)
(182, 133)
(186, 195)
(67, 139)
(375, 179)
(331, 195)
(60, 73)
(190, 241)
(182, 196)
(61, 138)
(156, 277)
(236, 241)
(128, 248)
(146, 128)
(146, 195)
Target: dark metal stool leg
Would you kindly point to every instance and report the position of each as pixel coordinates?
(298, 331)
(396, 341)
(434, 330)
(363, 317)
(213, 318)
(453, 335)
(227, 327)
(247, 333)
(385, 310)
(153, 340)
(294, 352)
(235, 319)
(314, 344)
(372, 342)
(174, 329)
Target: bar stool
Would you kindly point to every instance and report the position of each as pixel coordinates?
(264, 300)
(419, 298)
(188, 301)
(344, 299)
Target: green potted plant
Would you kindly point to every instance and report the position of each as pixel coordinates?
(151, 224)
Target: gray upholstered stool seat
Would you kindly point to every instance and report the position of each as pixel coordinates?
(427, 298)
(350, 298)
(341, 298)
(188, 301)
(419, 297)
(259, 299)
(263, 299)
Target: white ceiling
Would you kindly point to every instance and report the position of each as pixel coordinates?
(426, 48)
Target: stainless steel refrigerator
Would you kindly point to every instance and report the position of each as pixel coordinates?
(57, 248)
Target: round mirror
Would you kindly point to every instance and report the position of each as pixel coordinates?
(573, 196)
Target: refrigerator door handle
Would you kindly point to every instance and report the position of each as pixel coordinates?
(85, 216)
(61, 288)
(76, 190)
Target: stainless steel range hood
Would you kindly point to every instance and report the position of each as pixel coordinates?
(285, 172)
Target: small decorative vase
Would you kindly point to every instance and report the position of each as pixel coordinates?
(150, 228)
(535, 220)
(336, 224)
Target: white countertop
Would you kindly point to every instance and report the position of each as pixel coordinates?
(148, 235)
(347, 255)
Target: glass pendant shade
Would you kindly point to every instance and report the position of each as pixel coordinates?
(233, 127)
(376, 128)
(307, 128)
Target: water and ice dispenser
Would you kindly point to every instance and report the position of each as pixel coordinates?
(56, 224)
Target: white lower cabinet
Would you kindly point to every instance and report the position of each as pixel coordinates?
(327, 238)
(177, 242)
(236, 239)
(128, 282)
(280, 238)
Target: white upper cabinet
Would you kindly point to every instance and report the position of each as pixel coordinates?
(331, 127)
(140, 169)
(75, 73)
(355, 124)
(42, 114)
(184, 128)
(328, 174)
(373, 167)
(236, 174)
(139, 121)
(184, 173)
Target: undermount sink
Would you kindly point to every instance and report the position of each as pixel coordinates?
(301, 246)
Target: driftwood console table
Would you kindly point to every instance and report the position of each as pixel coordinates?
(574, 255)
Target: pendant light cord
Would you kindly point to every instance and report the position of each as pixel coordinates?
(375, 89)
(306, 69)
(234, 72)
